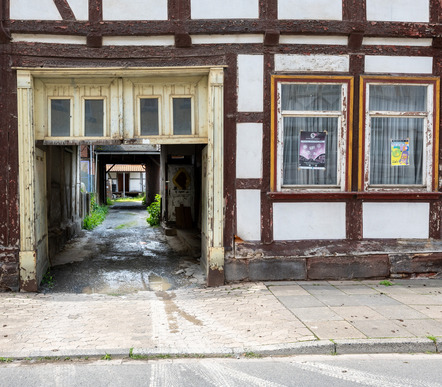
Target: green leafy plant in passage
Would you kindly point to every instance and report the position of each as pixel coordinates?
(154, 211)
(97, 215)
(106, 357)
(386, 283)
(48, 279)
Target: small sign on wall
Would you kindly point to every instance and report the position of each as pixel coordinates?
(312, 150)
(400, 152)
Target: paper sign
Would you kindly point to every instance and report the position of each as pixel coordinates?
(312, 150)
(399, 152)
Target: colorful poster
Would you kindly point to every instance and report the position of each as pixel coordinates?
(400, 152)
(312, 150)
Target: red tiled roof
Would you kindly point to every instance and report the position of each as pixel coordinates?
(124, 168)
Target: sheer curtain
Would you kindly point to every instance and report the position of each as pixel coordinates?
(310, 98)
(292, 174)
(384, 130)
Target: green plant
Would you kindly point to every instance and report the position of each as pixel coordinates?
(5, 359)
(48, 279)
(432, 338)
(144, 200)
(97, 215)
(386, 283)
(106, 357)
(109, 202)
(252, 355)
(154, 211)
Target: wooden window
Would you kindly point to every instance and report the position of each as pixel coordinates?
(60, 117)
(310, 140)
(398, 138)
(182, 115)
(93, 117)
(149, 116)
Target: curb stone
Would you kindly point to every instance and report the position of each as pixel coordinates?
(320, 347)
(385, 346)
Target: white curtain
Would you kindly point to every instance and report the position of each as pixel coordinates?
(310, 98)
(384, 130)
(292, 174)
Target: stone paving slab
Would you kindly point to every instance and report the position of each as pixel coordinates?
(272, 318)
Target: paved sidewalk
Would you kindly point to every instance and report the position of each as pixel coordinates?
(265, 318)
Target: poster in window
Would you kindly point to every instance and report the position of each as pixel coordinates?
(400, 152)
(312, 150)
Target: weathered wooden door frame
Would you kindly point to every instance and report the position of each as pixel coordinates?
(26, 135)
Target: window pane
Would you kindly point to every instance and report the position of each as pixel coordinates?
(149, 116)
(311, 97)
(398, 98)
(294, 172)
(384, 131)
(182, 116)
(60, 117)
(93, 117)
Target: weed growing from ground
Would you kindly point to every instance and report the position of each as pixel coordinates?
(106, 357)
(154, 211)
(97, 215)
(48, 280)
(386, 283)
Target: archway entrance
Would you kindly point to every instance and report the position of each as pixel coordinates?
(70, 107)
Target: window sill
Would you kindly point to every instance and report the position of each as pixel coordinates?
(342, 196)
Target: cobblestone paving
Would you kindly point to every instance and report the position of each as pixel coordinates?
(219, 320)
(185, 320)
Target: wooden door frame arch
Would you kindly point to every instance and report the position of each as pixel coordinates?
(213, 237)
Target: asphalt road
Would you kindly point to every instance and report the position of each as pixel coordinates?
(387, 370)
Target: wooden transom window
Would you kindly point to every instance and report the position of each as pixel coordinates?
(311, 136)
(399, 136)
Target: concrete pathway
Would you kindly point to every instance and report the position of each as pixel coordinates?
(264, 318)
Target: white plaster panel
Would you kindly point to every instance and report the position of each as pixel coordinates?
(34, 10)
(250, 83)
(396, 220)
(162, 40)
(228, 39)
(226, 9)
(314, 39)
(310, 9)
(399, 64)
(248, 214)
(135, 10)
(398, 10)
(332, 63)
(249, 151)
(37, 38)
(80, 8)
(397, 42)
(298, 221)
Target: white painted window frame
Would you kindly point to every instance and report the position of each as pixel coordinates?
(138, 114)
(105, 116)
(192, 113)
(342, 137)
(428, 116)
(71, 119)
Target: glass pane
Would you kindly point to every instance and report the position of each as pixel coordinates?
(387, 134)
(398, 98)
(311, 97)
(182, 116)
(301, 157)
(149, 116)
(93, 117)
(60, 117)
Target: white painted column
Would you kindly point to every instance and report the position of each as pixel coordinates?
(27, 255)
(215, 169)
